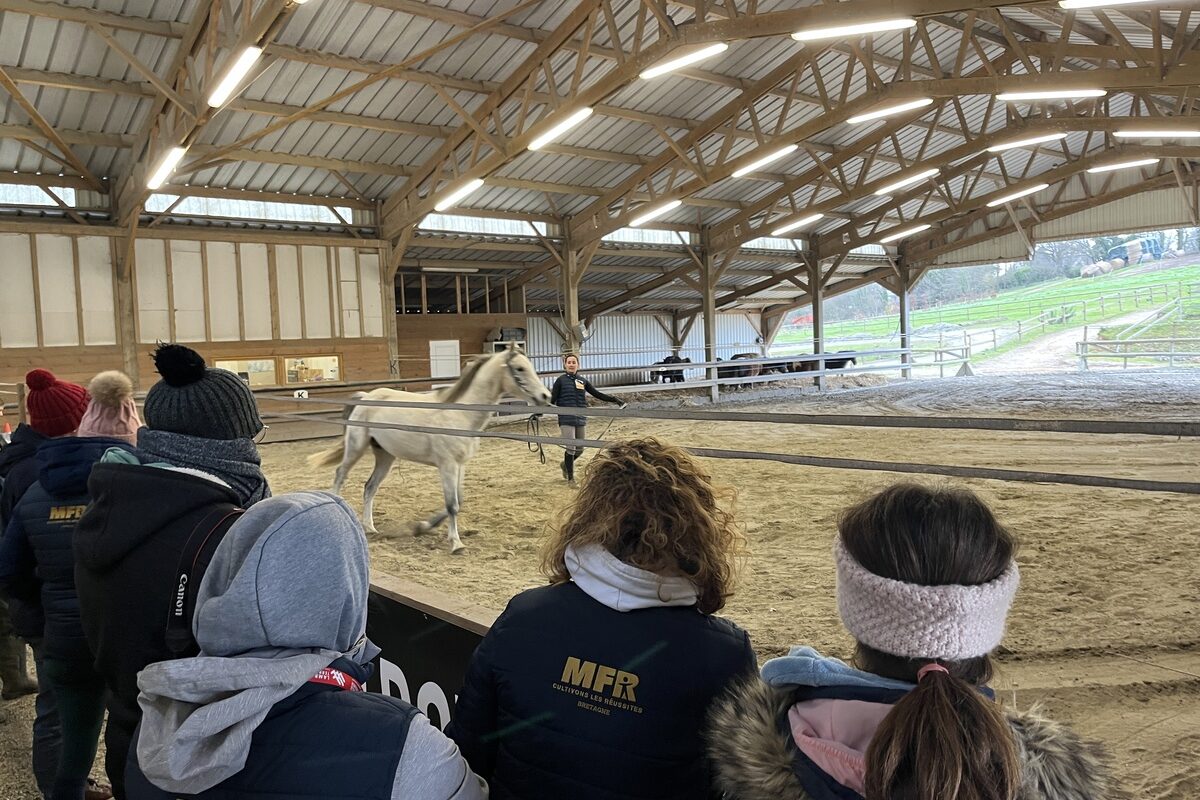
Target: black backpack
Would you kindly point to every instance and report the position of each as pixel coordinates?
(193, 563)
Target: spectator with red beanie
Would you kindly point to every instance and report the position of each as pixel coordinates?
(54, 409)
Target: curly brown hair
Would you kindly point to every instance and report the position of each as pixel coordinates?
(653, 506)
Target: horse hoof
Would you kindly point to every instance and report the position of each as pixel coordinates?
(457, 549)
(421, 528)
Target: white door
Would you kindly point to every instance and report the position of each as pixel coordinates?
(444, 358)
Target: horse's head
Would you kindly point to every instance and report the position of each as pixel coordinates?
(521, 379)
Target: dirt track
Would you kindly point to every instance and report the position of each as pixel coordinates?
(1105, 625)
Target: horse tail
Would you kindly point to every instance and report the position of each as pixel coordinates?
(329, 457)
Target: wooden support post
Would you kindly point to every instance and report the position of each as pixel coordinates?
(816, 291)
(126, 302)
(569, 290)
(904, 283)
(708, 285)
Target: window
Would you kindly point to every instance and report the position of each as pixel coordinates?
(869, 250)
(774, 243)
(644, 236)
(313, 369)
(456, 223)
(248, 209)
(16, 194)
(255, 372)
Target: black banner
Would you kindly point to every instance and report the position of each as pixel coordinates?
(424, 658)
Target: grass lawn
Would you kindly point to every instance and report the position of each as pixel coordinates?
(1021, 304)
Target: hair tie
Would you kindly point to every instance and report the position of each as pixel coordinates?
(928, 668)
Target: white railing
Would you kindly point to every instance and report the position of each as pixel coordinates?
(1172, 351)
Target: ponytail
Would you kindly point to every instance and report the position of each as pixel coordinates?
(943, 741)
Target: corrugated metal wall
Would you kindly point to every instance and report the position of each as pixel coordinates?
(637, 340)
(1010, 247)
(1161, 208)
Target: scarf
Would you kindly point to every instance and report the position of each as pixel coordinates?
(234, 461)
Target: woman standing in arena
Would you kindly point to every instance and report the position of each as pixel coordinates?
(571, 391)
(596, 686)
(925, 579)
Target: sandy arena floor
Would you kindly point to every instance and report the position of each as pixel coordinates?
(1105, 628)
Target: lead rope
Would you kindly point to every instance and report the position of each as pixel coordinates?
(533, 427)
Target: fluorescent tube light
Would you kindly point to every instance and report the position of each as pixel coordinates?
(234, 76)
(1051, 94)
(1141, 162)
(1095, 3)
(920, 176)
(673, 62)
(796, 223)
(1148, 134)
(889, 110)
(891, 237)
(165, 167)
(655, 212)
(450, 269)
(451, 199)
(1008, 198)
(855, 30)
(767, 159)
(1049, 137)
(561, 128)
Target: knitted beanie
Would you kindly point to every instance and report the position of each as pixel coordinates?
(55, 407)
(112, 412)
(197, 400)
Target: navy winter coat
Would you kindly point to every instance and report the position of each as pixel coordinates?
(571, 391)
(568, 698)
(319, 743)
(36, 548)
(18, 471)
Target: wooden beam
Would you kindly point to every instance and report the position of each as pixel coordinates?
(48, 130)
(147, 73)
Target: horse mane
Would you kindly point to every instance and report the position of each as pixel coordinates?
(453, 392)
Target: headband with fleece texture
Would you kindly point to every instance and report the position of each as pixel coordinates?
(950, 622)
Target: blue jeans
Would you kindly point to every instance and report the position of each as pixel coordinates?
(47, 733)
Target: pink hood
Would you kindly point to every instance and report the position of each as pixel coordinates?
(835, 734)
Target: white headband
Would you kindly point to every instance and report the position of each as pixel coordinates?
(949, 622)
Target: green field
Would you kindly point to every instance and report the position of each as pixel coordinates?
(1107, 297)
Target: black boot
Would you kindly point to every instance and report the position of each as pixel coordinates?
(563, 466)
(569, 467)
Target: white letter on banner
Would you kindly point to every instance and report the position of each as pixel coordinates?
(391, 675)
(432, 695)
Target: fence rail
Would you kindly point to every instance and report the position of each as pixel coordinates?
(1170, 350)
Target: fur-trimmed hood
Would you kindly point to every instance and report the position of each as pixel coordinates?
(752, 759)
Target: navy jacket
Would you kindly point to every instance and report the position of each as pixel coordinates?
(568, 698)
(320, 742)
(571, 391)
(18, 471)
(36, 548)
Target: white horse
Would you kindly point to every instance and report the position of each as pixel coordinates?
(483, 382)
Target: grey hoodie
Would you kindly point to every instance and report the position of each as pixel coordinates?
(284, 596)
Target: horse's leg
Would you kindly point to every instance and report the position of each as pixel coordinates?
(355, 445)
(451, 480)
(383, 463)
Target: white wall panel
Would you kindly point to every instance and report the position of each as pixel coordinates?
(351, 319)
(18, 311)
(735, 334)
(56, 285)
(96, 285)
(287, 277)
(221, 258)
(151, 278)
(625, 340)
(372, 310)
(187, 290)
(256, 291)
(316, 292)
(997, 250)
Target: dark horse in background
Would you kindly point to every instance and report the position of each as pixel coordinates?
(806, 364)
(668, 375)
